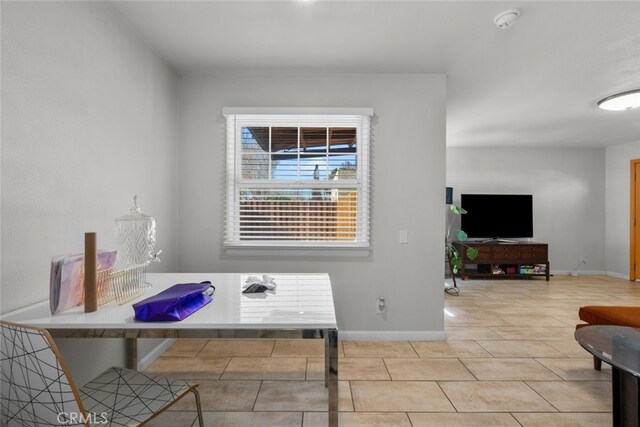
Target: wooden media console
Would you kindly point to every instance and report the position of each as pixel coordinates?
(505, 260)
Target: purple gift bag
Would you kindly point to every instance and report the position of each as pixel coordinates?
(175, 303)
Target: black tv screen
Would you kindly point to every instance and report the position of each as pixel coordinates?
(497, 215)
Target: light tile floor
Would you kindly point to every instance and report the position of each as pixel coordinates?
(509, 360)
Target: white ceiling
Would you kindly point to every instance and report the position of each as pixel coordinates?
(533, 85)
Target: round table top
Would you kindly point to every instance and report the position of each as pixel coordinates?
(619, 346)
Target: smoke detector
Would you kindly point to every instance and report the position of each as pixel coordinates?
(505, 19)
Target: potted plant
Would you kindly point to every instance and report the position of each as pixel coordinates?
(452, 253)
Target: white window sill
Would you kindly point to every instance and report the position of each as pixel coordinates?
(298, 251)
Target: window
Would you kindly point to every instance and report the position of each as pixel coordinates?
(298, 180)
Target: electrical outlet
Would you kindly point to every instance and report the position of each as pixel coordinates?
(381, 305)
(403, 237)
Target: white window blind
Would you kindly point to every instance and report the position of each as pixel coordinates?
(297, 180)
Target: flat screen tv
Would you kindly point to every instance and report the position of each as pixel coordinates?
(497, 215)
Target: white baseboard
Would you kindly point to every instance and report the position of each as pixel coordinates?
(147, 360)
(592, 273)
(617, 275)
(392, 335)
(580, 272)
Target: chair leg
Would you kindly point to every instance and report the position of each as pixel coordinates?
(198, 406)
(597, 363)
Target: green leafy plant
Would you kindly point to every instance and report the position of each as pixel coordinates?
(454, 257)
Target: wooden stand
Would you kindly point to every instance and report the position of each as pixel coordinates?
(90, 273)
(503, 255)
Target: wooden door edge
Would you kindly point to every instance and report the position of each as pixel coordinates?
(632, 225)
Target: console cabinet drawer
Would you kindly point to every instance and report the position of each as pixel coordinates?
(489, 253)
(505, 252)
(534, 253)
(484, 253)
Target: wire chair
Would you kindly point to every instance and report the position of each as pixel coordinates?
(37, 390)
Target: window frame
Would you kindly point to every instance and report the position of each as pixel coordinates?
(239, 118)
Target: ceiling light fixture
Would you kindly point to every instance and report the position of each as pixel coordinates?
(505, 19)
(621, 101)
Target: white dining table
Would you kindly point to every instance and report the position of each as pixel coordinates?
(301, 306)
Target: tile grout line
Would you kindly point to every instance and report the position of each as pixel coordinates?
(353, 402)
(548, 369)
(225, 368)
(384, 362)
(467, 368)
(447, 396)
(414, 349)
(200, 351)
(543, 398)
(409, 418)
(272, 348)
(253, 407)
(514, 417)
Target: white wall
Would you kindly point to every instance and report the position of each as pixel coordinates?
(617, 201)
(89, 120)
(408, 190)
(568, 194)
